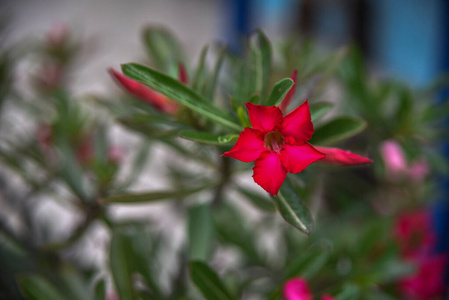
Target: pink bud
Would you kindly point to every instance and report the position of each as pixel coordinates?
(182, 74)
(342, 157)
(394, 158)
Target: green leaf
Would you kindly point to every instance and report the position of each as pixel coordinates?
(208, 282)
(318, 110)
(151, 196)
(292, 208)
(214, 77)
(336, 130)
(257, 200)
(349, 291)
(264, 62)
(307, 264)
(163, 47)
(35, 287)
(180, 93)
(120, 256)
(100, 290)
(243, 117)
(279, 91)
(208, 138)
(200, 73)
(200, 232)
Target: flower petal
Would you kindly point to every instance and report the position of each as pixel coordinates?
(298, 124)
(342, 157)
(297, 289)
(264, 118)
(269, 172)
(288, 98)
(297, 158)
(248, 147)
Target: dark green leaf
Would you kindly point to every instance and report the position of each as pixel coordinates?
(180, 93)
(292, 208)
(349, 291)
(120, 257)
(264, 62)
(34, 287)
(208, 282)
(257, 200)
(279, 91)
(336, 130)
(208, 138)
(200, 232)
(100, 290)
(151, 196)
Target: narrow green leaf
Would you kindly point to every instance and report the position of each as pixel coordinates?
(100, 290)
(263, 65)
(164, 48)
(336, 130)
(307, 264)
(208, 282)
(243, 117)
(151, 196)
(35, 287)
(318, 110)
(208, 138)
(257, 200)
(200, 232)
(279, 91)
(213, 79)
(292, 208)
(180, 93)
(349, 291)
(200, 73)
(120, 255)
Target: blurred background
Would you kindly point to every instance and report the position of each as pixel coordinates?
(407, 40)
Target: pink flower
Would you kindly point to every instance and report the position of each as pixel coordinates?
(155, 99)
(418, 170)
(278, 144)
(428, 281)
(288, 98)
(182, 74)
(414, 233)
(297, 289)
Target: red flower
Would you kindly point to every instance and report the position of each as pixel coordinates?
(155, 99)
(298, 289)
(278, 144)
(338, 156)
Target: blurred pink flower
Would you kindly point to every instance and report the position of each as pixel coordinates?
(297, 289)
(428, 281)
(414, 232)
(396, 166)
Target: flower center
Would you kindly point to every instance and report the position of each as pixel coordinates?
(274, 141)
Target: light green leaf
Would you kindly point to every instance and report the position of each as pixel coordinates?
(279, 91)
(208, 138)
(264, 62)
(200, 71)
(151, 196)
(208, 282)
(318, 110)
(336, 130)
(292, 208)
(214, 77)
(200, 232)
(180, 93)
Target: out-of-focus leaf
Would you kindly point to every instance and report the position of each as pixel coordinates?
(307, 264)
(336, 130)
(152, 196)
(137, 165)
(100, 290)
(37, 288)
(164, 49)
(257, 200)
(211, 86)
(263, 47)
(279, 91)
(208, 138)
(200, 232)
(120, 257)
(292, 208)
(180, 93)
(318, 110)
(349, 291)
(208, 282)
(200, 71)
(243, 117)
